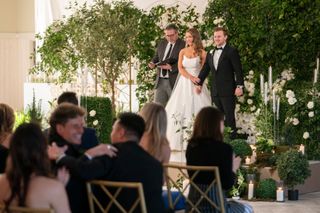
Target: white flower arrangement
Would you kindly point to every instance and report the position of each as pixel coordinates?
(292, 100)
(306, 135)
(95, 122)
(310, 105)
(250, 101)
(311, 114)
(295, 121)
(290, 94)
(92, 113)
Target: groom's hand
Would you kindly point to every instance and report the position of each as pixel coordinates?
(166, 67)
(238, 92)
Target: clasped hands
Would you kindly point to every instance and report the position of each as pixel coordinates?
(56, 152)
(152, 65)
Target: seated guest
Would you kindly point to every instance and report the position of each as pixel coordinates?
(89, 138)
(154, 139)
(132, 163)
(27, 180)
(66, 129)
(206, 148)
(6, 126)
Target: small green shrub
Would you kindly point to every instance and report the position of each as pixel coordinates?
(241, 148)
(99, 116)
(293, 168)
(266, 189)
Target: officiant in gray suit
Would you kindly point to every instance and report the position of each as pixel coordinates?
(166, 62)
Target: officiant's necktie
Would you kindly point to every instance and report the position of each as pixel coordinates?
(164, 71)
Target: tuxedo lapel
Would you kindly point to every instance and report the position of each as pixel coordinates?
(222, 56)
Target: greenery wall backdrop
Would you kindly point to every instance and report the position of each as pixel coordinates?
(282, 34)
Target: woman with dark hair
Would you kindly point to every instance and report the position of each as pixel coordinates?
(27, 180)
(206, 148)
(185, 102)
(6, 127)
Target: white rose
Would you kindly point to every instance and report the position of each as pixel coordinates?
(310, 105)
(251, 72)
(306, 135)
(289, 94)
(311, 114)
(250, 101)
(241, 99)
(292, 100)
(95, 122)
(92, 113)
(295, 121)
(253, 108)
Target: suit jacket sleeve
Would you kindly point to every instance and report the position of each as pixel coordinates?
(156, 57)
(237, 67)
(85, 168)
(205, 69)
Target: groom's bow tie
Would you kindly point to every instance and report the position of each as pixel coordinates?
(218, 48)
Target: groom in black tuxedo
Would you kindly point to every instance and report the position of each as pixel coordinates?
(166, 61)
(227, 83)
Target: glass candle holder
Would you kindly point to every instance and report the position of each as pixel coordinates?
(280, 192)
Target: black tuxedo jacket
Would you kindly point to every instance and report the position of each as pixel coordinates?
(180, 44)
(132, 164)
(228, 74)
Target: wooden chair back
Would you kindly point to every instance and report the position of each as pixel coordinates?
(17, 209)
(181, 172)
(112, 190)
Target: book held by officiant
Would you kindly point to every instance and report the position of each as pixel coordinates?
(167, 61)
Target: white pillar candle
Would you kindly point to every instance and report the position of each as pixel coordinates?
(250, 190)
(265, 93)
(273, 101)
(278, 107)
(270, 77)
(315, 77)
(280, 194)
(248, 160)
(301, 149)
(318, 63)
(261, 84)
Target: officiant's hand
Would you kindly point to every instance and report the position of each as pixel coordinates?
(238, 92)
(198, 89)
(151, 65)
(102, 149)
(55, 152)
(166, 67)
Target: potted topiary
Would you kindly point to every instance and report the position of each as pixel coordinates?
(241, 148)
(293, 169)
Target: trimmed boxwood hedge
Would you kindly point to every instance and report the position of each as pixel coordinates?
(103, 108)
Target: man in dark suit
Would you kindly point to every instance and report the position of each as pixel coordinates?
(166, 61)
(225, 65)
(132, 163)
(89, 138)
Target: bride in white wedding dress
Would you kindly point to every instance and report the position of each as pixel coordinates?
(184, 102)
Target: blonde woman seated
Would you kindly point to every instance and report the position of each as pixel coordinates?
(154, 139)
(6, 127)
(27, 180)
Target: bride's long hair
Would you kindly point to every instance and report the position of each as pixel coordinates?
(197, 43)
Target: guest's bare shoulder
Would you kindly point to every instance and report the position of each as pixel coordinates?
(47, 192)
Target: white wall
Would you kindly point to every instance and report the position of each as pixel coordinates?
(16, 44)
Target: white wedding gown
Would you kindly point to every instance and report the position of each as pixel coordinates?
(182, 107)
